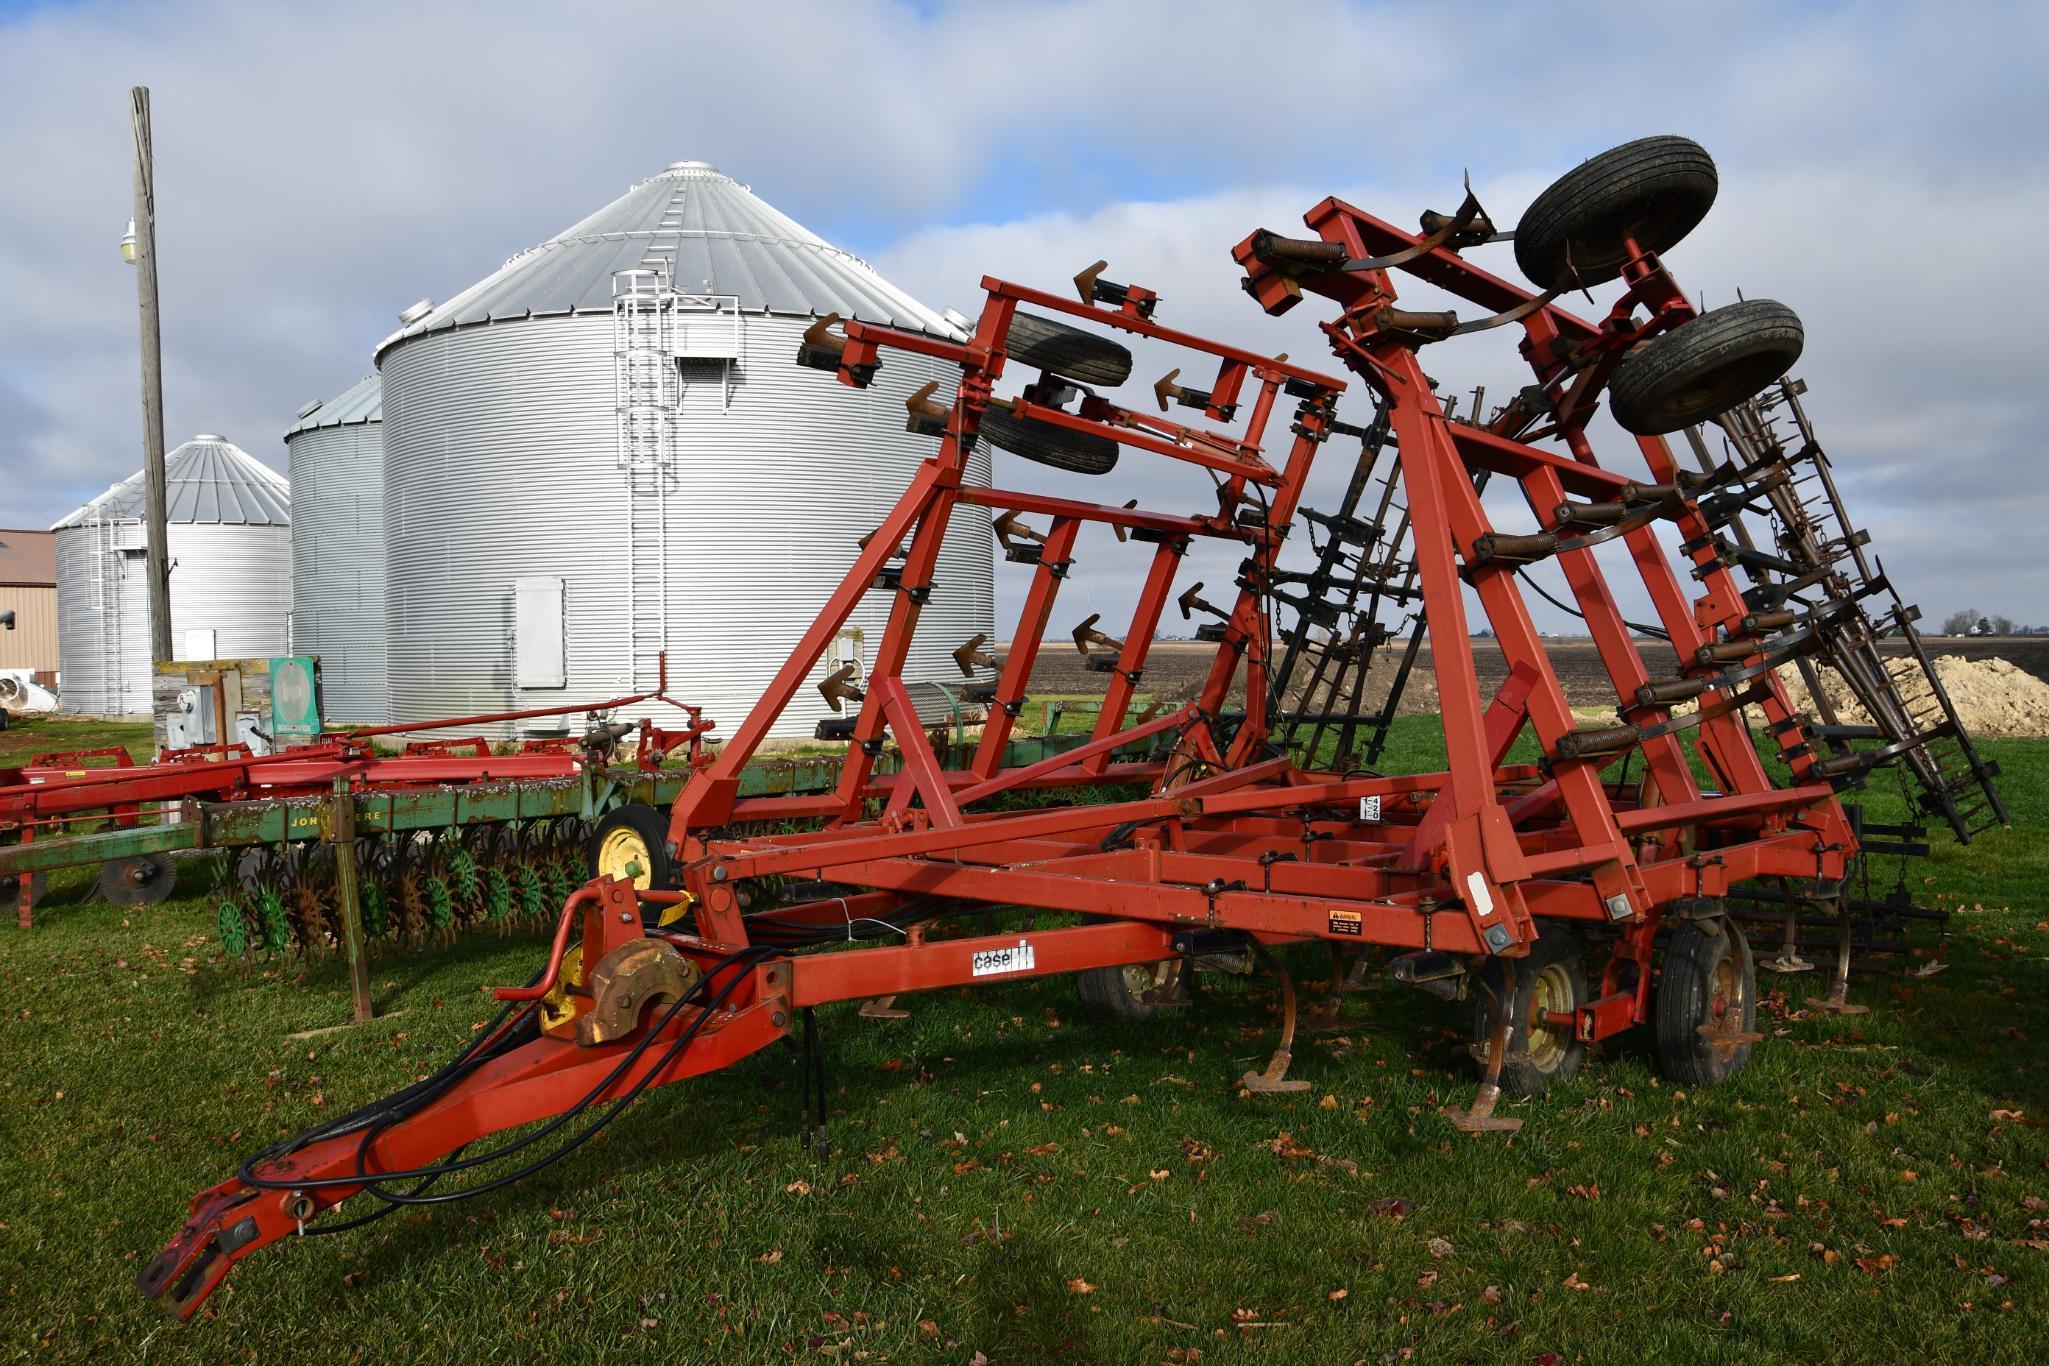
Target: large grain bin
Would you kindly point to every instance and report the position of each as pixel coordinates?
(230, 545)
(337, 460)
(605, 451)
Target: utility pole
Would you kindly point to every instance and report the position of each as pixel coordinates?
(159, 565)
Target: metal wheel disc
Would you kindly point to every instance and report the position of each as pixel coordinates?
(1545, 1042)
(141, 880)
(623, 854)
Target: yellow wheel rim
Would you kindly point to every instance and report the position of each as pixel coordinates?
(623, 854)
(1545, 1042)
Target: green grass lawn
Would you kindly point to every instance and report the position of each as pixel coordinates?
(1016, 1179)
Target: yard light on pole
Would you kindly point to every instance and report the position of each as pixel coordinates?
(128, 243)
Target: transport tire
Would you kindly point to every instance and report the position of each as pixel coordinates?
(1552, 978)
(1136, 991)
(1707, 981)
(1703, 368)
(1069, 352)
(1078, 452)
(632, 842)
(1656, 189)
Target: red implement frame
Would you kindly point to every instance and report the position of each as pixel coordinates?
(1229, 839)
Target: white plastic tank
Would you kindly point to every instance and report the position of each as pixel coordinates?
(606, 451)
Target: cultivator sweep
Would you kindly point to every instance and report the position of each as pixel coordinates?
(1568, 898)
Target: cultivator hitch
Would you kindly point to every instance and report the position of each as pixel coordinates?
(1564, 897)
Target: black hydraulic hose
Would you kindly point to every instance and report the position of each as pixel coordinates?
(569, 1146)
(406, 1100)
(380, 1117)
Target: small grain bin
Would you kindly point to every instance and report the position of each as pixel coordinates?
(605, 452)
(229, 541)
(337, 462)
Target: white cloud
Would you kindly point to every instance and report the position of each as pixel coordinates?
(320, 167)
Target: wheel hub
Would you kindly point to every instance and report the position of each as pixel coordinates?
(623, 854)
(1544, 1041)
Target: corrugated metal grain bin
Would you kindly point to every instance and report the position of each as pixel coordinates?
(605, 451)
(338, 594)
(230, 544)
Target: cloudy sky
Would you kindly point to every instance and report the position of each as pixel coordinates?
(321, 166)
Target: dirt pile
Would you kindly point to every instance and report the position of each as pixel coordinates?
(1992, 697)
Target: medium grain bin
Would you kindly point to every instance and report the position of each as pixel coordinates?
(337, 462)
(605, 451)
(229, 541)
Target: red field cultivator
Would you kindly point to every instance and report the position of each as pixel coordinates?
(1571, 897)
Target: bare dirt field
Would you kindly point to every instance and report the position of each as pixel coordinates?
(1176, 668)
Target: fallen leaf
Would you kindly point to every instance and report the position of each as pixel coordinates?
(1573, 1282)
(1081, 1287)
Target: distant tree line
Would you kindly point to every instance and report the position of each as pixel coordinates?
(1972, 622)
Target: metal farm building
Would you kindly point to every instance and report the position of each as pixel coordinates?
(230, 545)
(337, 460)
(605, 451)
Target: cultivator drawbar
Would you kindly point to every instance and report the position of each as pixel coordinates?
(1569, 898)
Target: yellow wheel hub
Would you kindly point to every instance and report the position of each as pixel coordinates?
(624, 854)
(1545, 1042)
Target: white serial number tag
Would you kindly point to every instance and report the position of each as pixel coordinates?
(1369, 808)
(1018, 958)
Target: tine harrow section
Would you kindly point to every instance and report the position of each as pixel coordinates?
(1786, 528)
(1356, 619)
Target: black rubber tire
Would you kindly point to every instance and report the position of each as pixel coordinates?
(10, 890)
(1701, 955)
(651, 826)
(1069, 352)
(1658, 188)
(1110, 994)
(1703, 368)
(1079, 452)
(1560, 961)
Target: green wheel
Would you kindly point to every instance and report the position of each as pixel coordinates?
(273, 921)
(234, 932)
(498, 898)
(440, 906)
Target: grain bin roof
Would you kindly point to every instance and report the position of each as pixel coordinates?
(361, 402)
(207, 480)
(712, 235)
